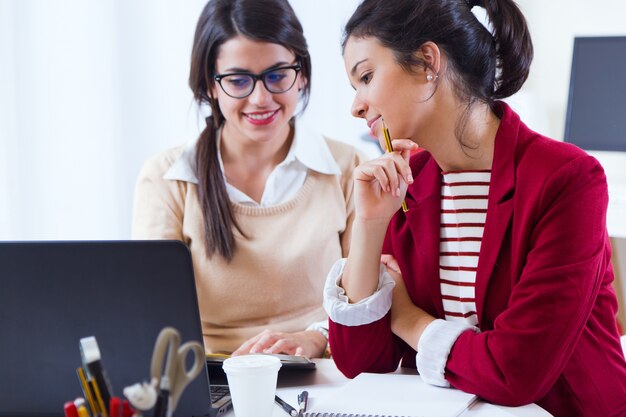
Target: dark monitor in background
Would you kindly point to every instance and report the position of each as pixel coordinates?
(596, 109)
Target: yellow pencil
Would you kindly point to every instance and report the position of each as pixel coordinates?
(99, 401)
(82, 411)
(390, 149)
(86, 390)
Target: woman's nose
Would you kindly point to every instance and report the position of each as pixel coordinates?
(260, 95)
(359, 109)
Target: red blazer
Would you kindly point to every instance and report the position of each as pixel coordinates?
(546, 308)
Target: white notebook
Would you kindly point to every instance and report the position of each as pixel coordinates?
(391, 395)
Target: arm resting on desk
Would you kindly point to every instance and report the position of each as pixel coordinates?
(360, 333)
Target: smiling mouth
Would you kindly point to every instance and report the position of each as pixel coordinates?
(261, 116)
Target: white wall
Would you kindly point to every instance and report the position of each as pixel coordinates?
(90, 89)
(553, 26)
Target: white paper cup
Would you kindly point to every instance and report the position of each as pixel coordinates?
(252, 383)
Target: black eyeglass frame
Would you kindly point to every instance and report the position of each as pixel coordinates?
(256, 77)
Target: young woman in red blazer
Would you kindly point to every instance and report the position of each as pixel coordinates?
(497, 280)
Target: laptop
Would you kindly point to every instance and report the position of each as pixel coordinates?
(52, 294)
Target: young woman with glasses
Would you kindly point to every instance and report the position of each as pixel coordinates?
(264, 205)
(498, 278)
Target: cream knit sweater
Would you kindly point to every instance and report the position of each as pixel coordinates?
(276, 277)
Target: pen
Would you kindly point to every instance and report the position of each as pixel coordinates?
(82, 411)
(98, 399)
(92, 363)
(70, 409)
(389, 146)
(86, 390)
(303, 399)
(115, 407)
(288, 409)
(160, 409)
(127, 411)
(81, 407)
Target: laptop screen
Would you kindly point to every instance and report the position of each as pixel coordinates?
(52, 294)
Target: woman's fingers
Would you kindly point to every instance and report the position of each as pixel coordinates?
(390, 262)
(401, 145)
(285, 346)
(304, 343)
(405, 147)
(388, 171)
(384, 174)
(265, 342)
(272, 342)
(255, 344)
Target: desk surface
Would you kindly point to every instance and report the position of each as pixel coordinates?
(326, 378)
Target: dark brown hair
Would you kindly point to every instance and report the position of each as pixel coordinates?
(483, 66)
(271, 21)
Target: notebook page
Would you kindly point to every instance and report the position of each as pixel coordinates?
(392, 395)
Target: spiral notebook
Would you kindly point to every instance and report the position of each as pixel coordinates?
(391, 395)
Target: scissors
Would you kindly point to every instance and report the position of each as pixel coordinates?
(175, 376)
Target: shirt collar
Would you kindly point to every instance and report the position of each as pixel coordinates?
(308, 147)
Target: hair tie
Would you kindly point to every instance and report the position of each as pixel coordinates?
(472, 3)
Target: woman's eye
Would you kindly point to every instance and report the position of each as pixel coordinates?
(275, 77)
(238, 82)
(366, 78)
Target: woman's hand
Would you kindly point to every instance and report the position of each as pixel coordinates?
(306, 343)
(379, 188)
(407, 320)
(380, 184)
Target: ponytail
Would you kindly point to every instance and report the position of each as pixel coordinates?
(514, 48)
(214, 201)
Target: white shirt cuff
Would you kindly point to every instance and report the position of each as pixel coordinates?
(434, 347)
(319, 326)
(366, 311)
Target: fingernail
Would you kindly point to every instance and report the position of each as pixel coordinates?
(398, 192)
(409, 178)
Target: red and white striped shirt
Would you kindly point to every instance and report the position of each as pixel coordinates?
(463, 213)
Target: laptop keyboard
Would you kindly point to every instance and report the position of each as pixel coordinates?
(218, 392)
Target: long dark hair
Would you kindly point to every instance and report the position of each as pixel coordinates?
(271, 21)
(482, 66)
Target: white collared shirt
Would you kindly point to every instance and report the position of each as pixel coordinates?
(308, 151)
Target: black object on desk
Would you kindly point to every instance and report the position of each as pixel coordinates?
(285, 406)
(303, 400)
(52, 294)
(291, 365)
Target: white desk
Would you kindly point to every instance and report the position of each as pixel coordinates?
(326, 378)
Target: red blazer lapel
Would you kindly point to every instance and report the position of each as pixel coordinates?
(423, 218)
(500, 203)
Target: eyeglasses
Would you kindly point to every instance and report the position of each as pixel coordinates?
(241, 84)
